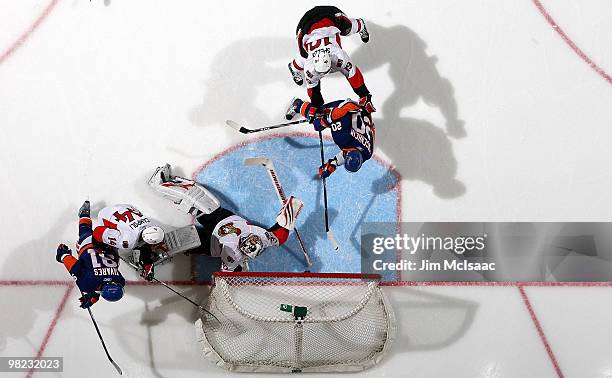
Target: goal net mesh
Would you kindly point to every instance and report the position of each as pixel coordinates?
(295, 322)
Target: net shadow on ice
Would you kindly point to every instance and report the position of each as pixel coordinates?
(428, 321)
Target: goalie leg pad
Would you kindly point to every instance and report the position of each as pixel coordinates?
(289, 212)
(189, 196)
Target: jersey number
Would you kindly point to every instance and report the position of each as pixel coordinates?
(127, 216)
(99, 260)
(312, 46)
(365, 128)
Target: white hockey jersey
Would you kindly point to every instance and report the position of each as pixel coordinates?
(340, 62)
(234, 240)
(121, 226)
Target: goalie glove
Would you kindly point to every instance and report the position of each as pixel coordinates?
(289, 212)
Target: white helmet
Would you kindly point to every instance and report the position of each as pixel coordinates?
(321, 60)
(153, 235)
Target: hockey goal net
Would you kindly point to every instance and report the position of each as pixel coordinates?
(296, 322)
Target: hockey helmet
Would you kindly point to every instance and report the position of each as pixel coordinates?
(153, 235)
(321, 60)
(112, 291)
(353, 160)
(251, 245)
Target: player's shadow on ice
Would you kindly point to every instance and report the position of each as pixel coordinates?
(418, 149)
(244, 71)
(241, 75)
(28, 262)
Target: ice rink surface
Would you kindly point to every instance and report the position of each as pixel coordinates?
(487, 111)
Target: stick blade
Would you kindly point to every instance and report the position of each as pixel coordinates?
(236, 126)
(332, 240)
(257, 161)
(117, 367)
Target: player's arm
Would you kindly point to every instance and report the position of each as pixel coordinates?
(85, 228)
(107, 235)
(64, 256)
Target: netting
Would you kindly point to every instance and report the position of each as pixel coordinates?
(296, 322)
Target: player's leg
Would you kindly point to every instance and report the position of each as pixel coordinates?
(351, 26)
(189, 196)
(296, 67)
(205, 226)
(354, 77)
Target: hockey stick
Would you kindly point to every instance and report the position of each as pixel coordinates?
(235, 125)
(330, 235)
(267, 163)
(171, 289)
(102, 340)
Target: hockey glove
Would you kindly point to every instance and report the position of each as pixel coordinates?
(85, 210)
(312, 113)
(366, 103)
(88, 299)
(148, 273)
(328, 168)
(289, 212)
(62, 251)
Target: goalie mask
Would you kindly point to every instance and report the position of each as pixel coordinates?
(250, 245)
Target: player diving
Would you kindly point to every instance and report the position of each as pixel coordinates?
(222, 233)
(96, 269)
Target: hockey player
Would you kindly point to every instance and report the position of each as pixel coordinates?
(124, 227)
(352, 129)
(320, 52)
(222, 233)
(96, 270)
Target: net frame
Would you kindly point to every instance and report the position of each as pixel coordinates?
(370, 295)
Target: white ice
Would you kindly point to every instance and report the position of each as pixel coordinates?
(97, 94)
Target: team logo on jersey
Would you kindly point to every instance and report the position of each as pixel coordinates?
(227, 229)
(250, 245)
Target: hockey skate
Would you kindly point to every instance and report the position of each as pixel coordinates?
(296, 75)
(365, 36)
(292, 110)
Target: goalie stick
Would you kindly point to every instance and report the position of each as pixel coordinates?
(267, 163)
(235, 125)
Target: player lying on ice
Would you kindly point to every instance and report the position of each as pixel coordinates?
(352, 129)
(96, 270)
(222, 233)
(124, 227)
(320, 52)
